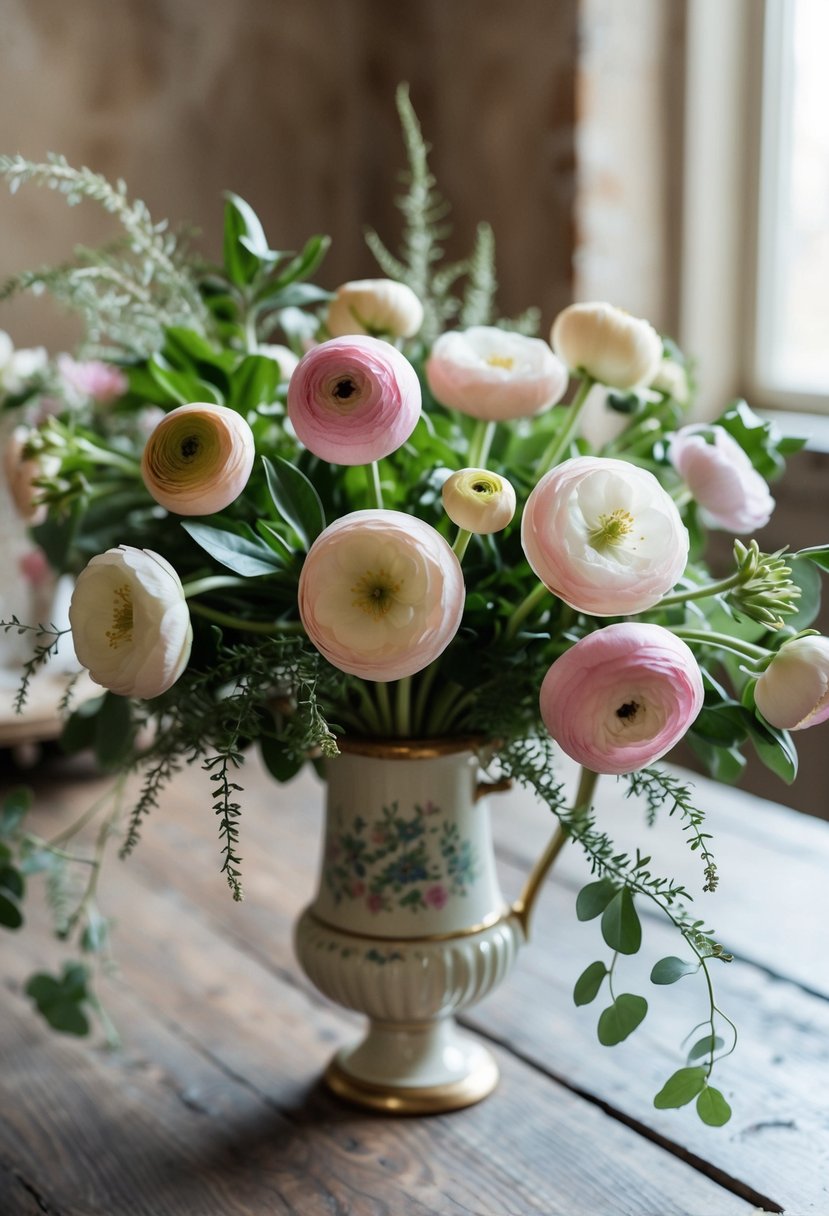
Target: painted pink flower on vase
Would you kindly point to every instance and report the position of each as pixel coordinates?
(354, 400)
(92, 378)
(436, 897)
(381, 594)
(604, 536)
(622, 697)
(374, 902)
(731, 493)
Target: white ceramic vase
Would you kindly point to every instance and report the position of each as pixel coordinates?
(409, 925)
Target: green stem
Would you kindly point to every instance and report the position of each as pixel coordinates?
(237, 622)
(403, 704)
(527, 605)
(427, 679)
(105, 456)
(374, 487)
(369, 709)
(443, 707)
(722, 641)
(461, 541)
(480, 443)
(211, 583)
(701, 593)
(559, 444)
(384, 705)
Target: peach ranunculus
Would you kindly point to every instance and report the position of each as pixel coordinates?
(494, 374)
(198, 459)
(92, 378)
(478, 501)
(23, 474)
(130, 623)
(793, 691)
(354, 400)
(607, 344)
(604, 536)
(622, 696)
(382, 308)
(730, 492)
(381, 594)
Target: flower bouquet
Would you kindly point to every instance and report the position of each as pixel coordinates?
(388, 537)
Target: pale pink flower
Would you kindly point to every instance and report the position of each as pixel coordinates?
(23, 474)
(354, 400)
(130, 623)
(622, 696)
(494, 374)
(380, 307)
(478, 501)
(35, 568)
(198, 459)
(793, 691)
(436, 897)
(731, 493)
(608, 344)
(92, 378)
(374, 902)
(381, 594)
(604, 536)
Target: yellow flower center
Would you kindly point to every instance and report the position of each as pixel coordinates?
(501, 361)
(375, 593)
(122, 622)
(612, 529)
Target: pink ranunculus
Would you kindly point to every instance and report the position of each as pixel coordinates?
(793, 691)
(35, 568)
(622, 696)
(495, 374)
(92, 378)
(354, 400)
(731, 493)
(381, 594)
(436, 897)
(604, 536)
(23, 474)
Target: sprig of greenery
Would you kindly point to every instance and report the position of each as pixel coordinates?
(43, 652)
(658, 787)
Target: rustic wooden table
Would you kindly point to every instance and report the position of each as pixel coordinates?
(212, 1107)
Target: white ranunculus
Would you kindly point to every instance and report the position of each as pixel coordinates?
(608, 344)
(381, 308)
(494, 374)
(130, 624)
(793, 691)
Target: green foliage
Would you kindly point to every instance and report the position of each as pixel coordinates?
(712, 1107)
(621, 1018)
(760, 439)
(669, 970)
(294, 499)
(589, 982)
(621, 928)
(594, 898)
(681, 1088)
(62, 1000)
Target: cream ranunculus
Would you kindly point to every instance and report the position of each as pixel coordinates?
(130, 624)
(381, 308)
(793, 691)
(381, 594)
(604, 536)
(494, 374)
(478, 501)
(198, 459)
(607, 344)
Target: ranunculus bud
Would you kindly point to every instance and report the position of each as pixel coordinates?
(672, 378)
(494, 374)
(354, 400)
(198, 459)
(24, 472)
(793, 691)
(607, 344)
(130, 624)
(731, 493)
(381, 308)
(478, 501)
(604, 536)
(622, 696)
(381, 594)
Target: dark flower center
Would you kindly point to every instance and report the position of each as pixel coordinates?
(344, 389)
(628, 710)
(189, 447)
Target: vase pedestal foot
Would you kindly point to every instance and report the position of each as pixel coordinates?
(413, 1068)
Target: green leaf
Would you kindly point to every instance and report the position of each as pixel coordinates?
(819, 554)
(243, 556)
(15, 805)
(703, 1047)
(712, 1107)
(807, 577)
(81, 726)
(253, 383)
(621, 928)
(245, 245)
(681, 1088)
(775, 748)
(588, 984)
(669, 970)
(12, 881)
(295, 499)
(594, 898)
(60, 1001)
(722, 725)
(280, 761)
(621, 1018)
(181, 387)
(67, 1017)
(10, 915)
(305, 262)
(113, 731)
(274, 538)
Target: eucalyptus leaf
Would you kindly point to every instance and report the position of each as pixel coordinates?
(592, 900)
(588, 984)
(669, 970)
(704, 1047)
(281, 762)
(10, 915)
(621, 928)
(621, 1018)
(114, 731)
(681, 1088)
(712, 1107)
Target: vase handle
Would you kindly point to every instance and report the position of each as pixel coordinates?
(492, 787)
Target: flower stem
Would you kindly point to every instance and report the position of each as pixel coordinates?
(527, 605)
(427, 679)
(461, 541)
(211, 583)
(238, 622)
(480, 444)
(384, 704)
(106, 456)
(403, 705)
(560, 442)
(701, 593)
(722, 641)
(374, 487)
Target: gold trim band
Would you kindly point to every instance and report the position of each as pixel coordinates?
(410, 749)
(495, 918)
(414, 1100)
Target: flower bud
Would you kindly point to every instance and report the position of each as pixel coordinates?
(478, 501)
(25, 471)
(198, 459)
(793, 691)
(607, 344)
(381, 308)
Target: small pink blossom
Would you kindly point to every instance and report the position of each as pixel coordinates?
(622, 696)
(358, 890)
(731, 493)
(381, 594)
(604, 536)
(494, 373)
(374, 902)
(436, 897)
(354, 400)
(35, 568)
(92, 378)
